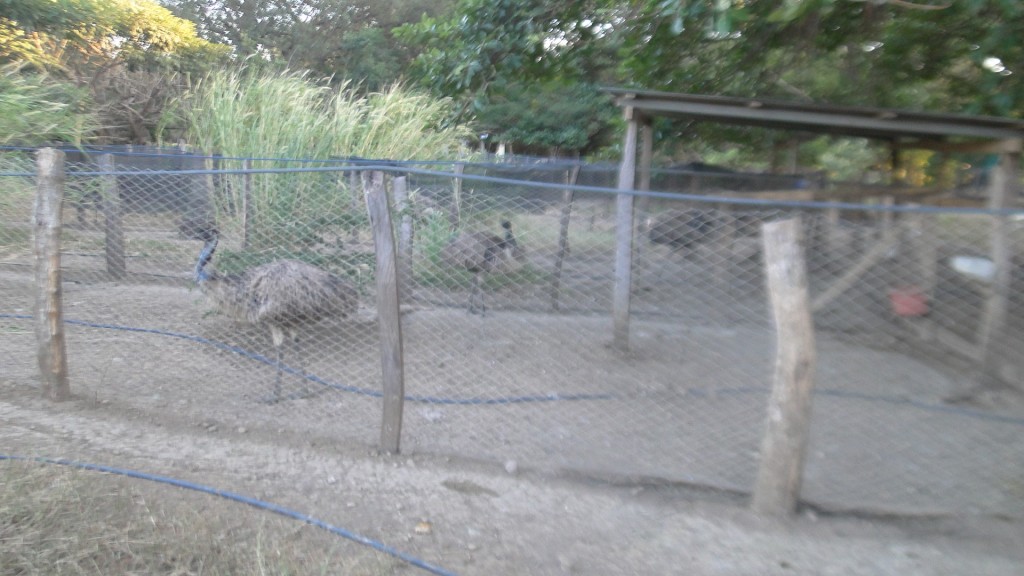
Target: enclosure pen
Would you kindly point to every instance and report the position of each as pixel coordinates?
(542, 385)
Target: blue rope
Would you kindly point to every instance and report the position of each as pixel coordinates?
(385, 166)
(477, 401)
(379, 546)
(474, 401)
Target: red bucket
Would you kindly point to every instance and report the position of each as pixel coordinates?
(908, 301)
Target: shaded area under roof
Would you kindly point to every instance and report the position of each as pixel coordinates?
(866, 122)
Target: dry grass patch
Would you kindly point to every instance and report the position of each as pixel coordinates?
(63, 521)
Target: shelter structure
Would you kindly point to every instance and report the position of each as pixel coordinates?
(946, 133)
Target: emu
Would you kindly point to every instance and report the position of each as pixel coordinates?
(283, 295)
(480, 253)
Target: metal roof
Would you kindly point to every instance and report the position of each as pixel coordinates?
(880, 123)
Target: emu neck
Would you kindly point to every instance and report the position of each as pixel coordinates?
(201, 275)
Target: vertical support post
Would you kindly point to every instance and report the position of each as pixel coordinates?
(246, 203)
(789, 407)
(833, 239)
(110, 198)
(401, 193)
(643, 183)
(353, 198)
(624, 235)
(644, 175)
(926, 249)
(1004, 180)
(49, 310)
(723, 240)
(571, 177)
(392, 367)
(887, 215)
(455, 210)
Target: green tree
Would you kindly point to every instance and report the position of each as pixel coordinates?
(343, 39)
(923, 54)
(128, 54)
(556, 117)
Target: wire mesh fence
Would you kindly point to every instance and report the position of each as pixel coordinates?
(506, 297)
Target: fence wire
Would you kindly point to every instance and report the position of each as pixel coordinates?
(506, 298)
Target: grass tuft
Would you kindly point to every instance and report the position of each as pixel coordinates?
(61, 521)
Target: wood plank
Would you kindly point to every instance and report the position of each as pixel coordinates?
(850, 277)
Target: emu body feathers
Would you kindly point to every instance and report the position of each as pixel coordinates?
(480, 253)
(284, 295)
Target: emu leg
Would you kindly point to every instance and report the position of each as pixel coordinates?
(278, 336)
(476, 296)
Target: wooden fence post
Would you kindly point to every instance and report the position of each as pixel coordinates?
(110, 198)
(392, 368)
(993, 321)
(247, 208)
(49, 313)
(571, 177)
(624, 236)
(455, 210)
(789, 408)
(401, 194)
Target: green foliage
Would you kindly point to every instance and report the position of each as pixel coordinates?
(250, 113)
(340, 39)
(432, 235)
(927, 55)
(68, 35)
(552, 116)
(124, 53)
(34, 107)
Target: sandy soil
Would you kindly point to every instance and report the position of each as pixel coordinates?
(645, 475)
(485, 520)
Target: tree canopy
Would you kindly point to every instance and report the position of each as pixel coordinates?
(528, 70)
(892, 53)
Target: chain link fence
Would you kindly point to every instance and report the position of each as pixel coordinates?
(506, 291)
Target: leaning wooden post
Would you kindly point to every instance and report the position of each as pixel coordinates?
(401, 194)
(789, 407)
(387, 310)
(112, 219)
(624, 235)
(49, 313)
(571, 177)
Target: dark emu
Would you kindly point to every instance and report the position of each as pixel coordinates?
(481, 253)
(283, 295)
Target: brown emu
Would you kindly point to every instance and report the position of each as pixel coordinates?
(480, 253)
(283, 295)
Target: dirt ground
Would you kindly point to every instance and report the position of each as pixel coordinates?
(485, 520)
(649, 482)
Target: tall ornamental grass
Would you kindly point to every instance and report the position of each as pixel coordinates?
(255, 114)
(35, 108)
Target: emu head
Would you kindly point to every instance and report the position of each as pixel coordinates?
(210, 236)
